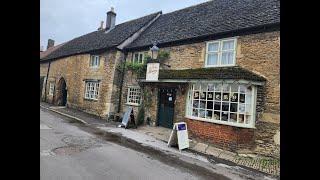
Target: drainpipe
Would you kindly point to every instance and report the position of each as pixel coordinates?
(121, 81)
(45, 87)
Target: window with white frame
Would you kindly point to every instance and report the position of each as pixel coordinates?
(51, 88)
(94, 61)
(138, 58)
(92, 90)
(221, 53)
(134, 93)
(231, 104)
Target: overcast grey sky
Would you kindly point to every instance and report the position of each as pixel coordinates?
(63, 20)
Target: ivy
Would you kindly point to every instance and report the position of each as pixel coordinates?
(137, 68)
(163, 55)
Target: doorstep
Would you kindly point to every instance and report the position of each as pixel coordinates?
(264, 164)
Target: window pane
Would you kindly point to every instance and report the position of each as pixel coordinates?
(224, 116)
(212, 59)
(196, 103)
(195, 112)
(140, 58)
(241, 108)
(233, 117)
(234, 97)
(213, 47)
(202, 113)
(218, 87)
(209, 114)
(216, 115)
(228, 45)
(241, 118)
(234, 107)
(196, 95)
(91, 60)
(203, 104)
(210, 96)
(203, 95)
(210, 105)
(248, 108)
(225, 106)
(242, 89)
(234, 88)
(227, 58)
(248, 119)
(217, 96)
(196, 86)
(136, 57)
(98, 60)
(225, 88)
(248, 99)
(242, 98)
(217, 106)
(210, 87)
(225, 97)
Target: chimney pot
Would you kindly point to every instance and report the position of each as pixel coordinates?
(50, 43)
(101, 26)
(111, 19)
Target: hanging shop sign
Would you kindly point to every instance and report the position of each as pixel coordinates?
(179, 136)
(152, 71)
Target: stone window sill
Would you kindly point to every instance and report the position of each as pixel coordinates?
(93, 100)
(221, 122)
(130, 104)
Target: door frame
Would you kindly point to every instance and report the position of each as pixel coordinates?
(159, 99)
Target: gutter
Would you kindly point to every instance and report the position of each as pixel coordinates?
(45, 88)
(121, 82)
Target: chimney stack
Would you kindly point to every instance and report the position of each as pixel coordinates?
(111, 19)
(50, 43)
(101, 26)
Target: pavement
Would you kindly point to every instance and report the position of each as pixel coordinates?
(69, 152)
(157, 138)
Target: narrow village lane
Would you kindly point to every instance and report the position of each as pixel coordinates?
(68, 152)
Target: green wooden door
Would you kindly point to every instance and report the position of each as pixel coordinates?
(166, 107)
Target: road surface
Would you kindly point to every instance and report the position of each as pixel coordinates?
(69, 152)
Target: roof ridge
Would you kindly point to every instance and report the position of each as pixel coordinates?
(158, 12)
(189, 7)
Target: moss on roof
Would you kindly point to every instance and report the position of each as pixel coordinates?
(223, 73)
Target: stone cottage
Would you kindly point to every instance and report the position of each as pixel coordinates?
(45, 65)
(220, 75)
(83, 73)
(219, 72)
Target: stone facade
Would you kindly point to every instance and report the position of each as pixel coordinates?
(75, 71)
(259, 53)
(43, 76)
(44, 69)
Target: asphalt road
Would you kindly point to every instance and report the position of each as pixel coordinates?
(68, 152)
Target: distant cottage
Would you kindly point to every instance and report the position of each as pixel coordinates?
(220, 73)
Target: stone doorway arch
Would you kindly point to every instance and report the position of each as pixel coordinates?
(61, 93)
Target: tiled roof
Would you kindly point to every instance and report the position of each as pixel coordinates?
(219, 73)
(210, 18)
(98, 40)
(45, 53)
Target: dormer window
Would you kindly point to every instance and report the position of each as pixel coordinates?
(138, 58)
(221, 53)
(94, 61)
